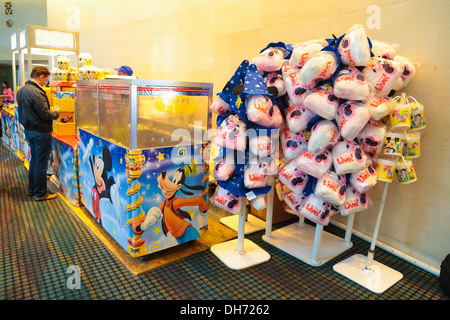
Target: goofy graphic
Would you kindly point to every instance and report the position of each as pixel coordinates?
(173, 218)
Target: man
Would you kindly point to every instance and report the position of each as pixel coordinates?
(36, 117)
(124, 71)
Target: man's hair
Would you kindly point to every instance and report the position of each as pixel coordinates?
(39, 71)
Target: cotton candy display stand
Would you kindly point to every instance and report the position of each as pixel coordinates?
(364, 270)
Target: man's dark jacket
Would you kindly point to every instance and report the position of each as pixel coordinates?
(34, 108)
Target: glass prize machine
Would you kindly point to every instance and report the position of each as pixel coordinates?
(55, 46)
(143, 157)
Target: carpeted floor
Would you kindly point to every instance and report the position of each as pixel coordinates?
(40, 242)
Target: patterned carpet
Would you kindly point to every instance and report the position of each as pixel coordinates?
(40, 241)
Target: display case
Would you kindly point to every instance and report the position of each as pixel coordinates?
(143, 151)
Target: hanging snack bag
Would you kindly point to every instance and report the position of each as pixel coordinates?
(371, 139)
(351, 84)
(269, 60)
(364, 180)
(258, 171)
(274, 79)
(231, 134)
(379, 105)
(295, 179)
(331, 188)
(261, 110)
(400, 116)
(262, 142)
(355, 201)
(352, 116)
(314, 164)
(348, 157)
(228, 201)
(409, 72)
(259, 202)
(324, 136)
(293, 144)
(219, 106)
(303, 51)
(294, 201)
(297, 117)
(383, 74)
(322, 101)
(383, 49)
(316, 210)
(354, 48)
(294, 88)
(320, 67)
(224, 167)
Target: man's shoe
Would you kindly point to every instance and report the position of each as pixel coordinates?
(48, 196)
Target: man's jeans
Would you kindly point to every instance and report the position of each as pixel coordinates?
(40, 146)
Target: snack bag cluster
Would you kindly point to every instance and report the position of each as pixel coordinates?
(342, 123)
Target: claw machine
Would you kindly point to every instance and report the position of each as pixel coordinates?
(143, 159)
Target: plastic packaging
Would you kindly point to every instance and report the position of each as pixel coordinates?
(320, 67)
(364, 180)
(269, 60)
(385, 169)
(348, 157)
(332, 188)
(324, 136)
(293, 144)
(228, 201)
(352, 116)
(351, 84)
(257, 172)
(261, 110)
(314, 164)
(219, 106)
(274, 79)
(417, 115)
(322, 101)
(231, 134)
(304, 51)
(316, 210)
(371, 139)
(293, 178)
(355, 201)
(384, 49)
(383, 74)
(400, 115)
(293, 86)
(297, 117)
(379, 105)
(295, 201)
(224, 167)
(411, 149)
(354, 48)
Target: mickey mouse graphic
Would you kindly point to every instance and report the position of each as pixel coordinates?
(105, 186)
(173, 218)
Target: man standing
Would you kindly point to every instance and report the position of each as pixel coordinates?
(36, 117)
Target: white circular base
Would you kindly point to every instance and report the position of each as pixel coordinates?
(228, 254)
(252, 224)
(378, 278)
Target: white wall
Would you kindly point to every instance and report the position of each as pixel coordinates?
(200, 40)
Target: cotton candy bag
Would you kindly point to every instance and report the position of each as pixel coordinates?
(320, 67)
(295, 179)
(258, 171)
(364, 180)
(316, 209)
(259, 202)
(294, 201)
(383, 49)
(261, 110)
(371, 139)
(298, 117)
(314, 164)
(293, 144)
(383, 74)
(293, 86)
(331, 187)
(224, 167)
(322, 101)
(324, 135)
(352, 116)
(228, 201)
(355, 201)
(274, 79)
(231, 133)
(354, 48)
(303, 51)
(262, 142)
(351, 84)
(379, 105)
(348, 157)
